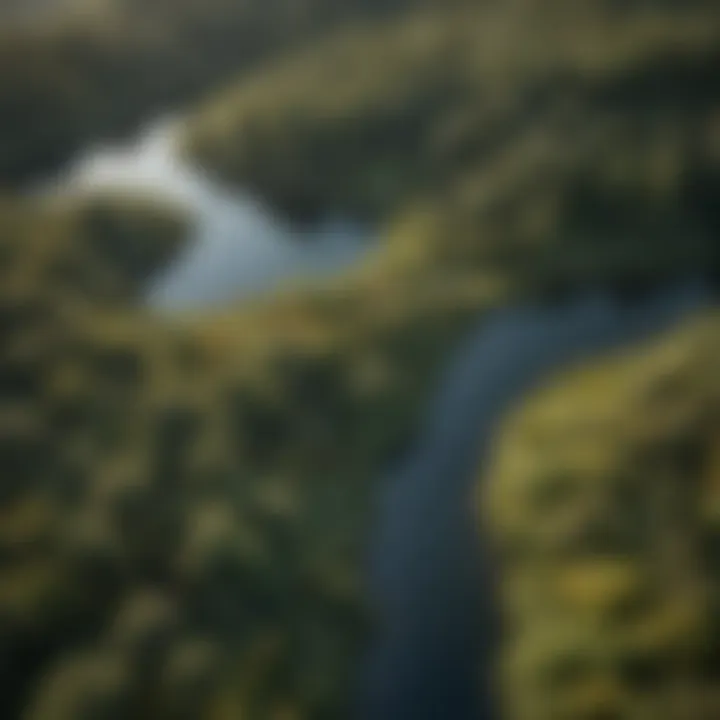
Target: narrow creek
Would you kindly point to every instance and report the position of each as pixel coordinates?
(426, 577)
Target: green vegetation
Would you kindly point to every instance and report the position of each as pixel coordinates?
(103, 66)
(183, 503)
(603, 507)
(101, 247)
(558, 146)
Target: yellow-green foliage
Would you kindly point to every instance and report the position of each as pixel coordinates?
(602, 507)
(182, 504)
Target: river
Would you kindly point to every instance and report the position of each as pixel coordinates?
(238, 249)
(426, 577)
(429, 583)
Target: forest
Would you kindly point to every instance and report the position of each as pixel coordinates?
(186, 502)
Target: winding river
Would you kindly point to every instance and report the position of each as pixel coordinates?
(428, 580)
(426, 576)
(238, 249)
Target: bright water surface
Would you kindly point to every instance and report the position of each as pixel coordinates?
(238, 249)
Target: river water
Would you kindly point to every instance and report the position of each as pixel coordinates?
(428, 580)
(426, 576)
(238, 249)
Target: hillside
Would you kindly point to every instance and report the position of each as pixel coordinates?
(564, 147)
(183, 505)
(602, 506)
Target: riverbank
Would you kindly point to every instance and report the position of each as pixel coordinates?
(600, 502)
